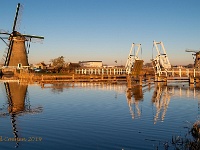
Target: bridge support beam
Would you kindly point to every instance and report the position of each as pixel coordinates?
(191, 80)
(128, 78)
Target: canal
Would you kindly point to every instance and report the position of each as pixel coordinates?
(95, 116)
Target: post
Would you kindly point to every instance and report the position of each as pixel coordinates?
(73, 77)
(149, 80)
(102, 77)
(179, 72)
(191, 80)
(140, 80)
(156, 78)
(128, 78)
(187, 72)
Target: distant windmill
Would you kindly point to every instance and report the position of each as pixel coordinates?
(197, 57)
(17, 51)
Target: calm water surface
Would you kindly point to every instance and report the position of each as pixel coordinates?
(86, 116)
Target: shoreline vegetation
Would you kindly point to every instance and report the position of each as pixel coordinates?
(43, 77)
(48, 78)
(111, 75)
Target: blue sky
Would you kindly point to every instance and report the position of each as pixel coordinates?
(105, 29)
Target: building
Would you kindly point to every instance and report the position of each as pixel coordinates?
(73, 65)
(91, 63)
(40, 65)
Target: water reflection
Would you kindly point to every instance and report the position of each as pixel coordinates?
(144, 103)
(134, 97)
(59, 87)
(17, 104)
(161, 96)
(160, 99)
(16, 94)
(164, 92)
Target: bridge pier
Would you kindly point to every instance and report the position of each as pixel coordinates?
(160, 78)
(128, 79)
(191, 80)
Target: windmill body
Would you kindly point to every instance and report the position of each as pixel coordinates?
(196, 53)
(16, 55)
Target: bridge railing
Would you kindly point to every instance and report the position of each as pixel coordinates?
(101, 71)
(181, 72)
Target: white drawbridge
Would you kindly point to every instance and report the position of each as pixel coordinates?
(132, 57)
(161, 63)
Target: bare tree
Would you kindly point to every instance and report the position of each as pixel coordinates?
(58, 62)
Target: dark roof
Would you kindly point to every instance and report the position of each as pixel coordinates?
(88, 61)
(74, 65)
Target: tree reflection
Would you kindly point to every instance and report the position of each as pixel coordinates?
(57, 88)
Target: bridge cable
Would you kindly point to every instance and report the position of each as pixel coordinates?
(152, 51)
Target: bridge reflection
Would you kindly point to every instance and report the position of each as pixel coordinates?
(160, 98)
(17, 104)
(134, 97)
(159, 95)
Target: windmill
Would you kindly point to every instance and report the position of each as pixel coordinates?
(16, 55)
(197, 57)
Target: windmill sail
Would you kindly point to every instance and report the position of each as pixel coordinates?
(17, 53)
(16, 16)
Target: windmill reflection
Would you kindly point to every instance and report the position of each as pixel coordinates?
(18, 104)
(134, 97)
(16, 94)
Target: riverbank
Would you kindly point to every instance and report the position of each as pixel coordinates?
(65, 77)
(56, 78)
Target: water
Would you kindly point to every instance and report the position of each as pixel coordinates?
(95, 116)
